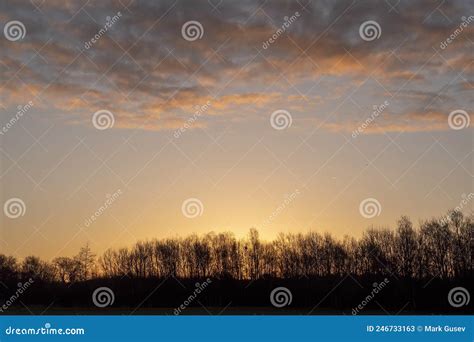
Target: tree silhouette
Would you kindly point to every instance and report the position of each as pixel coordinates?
(440, 250)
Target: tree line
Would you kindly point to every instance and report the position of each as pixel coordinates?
(440, 248)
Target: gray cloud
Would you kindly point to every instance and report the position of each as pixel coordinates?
(143, 68)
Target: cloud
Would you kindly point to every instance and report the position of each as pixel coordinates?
(143, 69)
(406, 123)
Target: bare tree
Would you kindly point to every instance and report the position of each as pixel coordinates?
(66, 269)
(86, 261)
(406, 247)
(438, 248)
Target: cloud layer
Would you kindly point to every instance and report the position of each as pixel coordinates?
(253, 58)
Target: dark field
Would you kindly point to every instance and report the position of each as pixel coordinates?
(328, 295)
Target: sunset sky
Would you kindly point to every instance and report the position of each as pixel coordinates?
(310, 175)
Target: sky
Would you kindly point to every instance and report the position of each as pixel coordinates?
(125, 121)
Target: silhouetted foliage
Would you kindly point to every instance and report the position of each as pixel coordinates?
(439, 252)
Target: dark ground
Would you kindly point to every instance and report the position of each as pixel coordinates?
(334, 295)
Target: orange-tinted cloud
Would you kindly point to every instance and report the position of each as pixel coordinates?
(143, 69)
